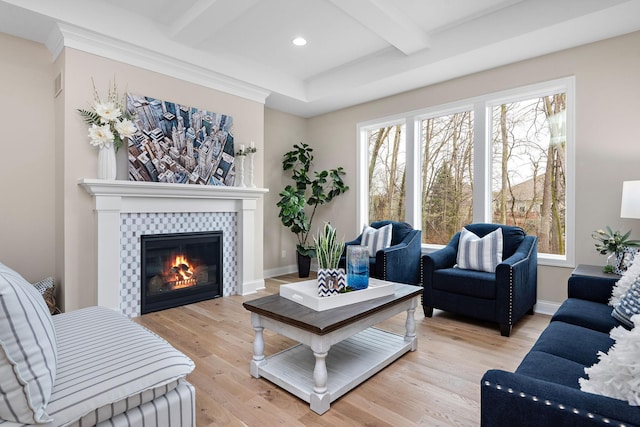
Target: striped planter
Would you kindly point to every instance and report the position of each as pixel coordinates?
(331, 281)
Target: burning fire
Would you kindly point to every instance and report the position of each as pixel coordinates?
(182, 273)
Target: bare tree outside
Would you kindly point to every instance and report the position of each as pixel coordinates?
(447, 175)
(387, 174)
(527, 171)
(528, 178)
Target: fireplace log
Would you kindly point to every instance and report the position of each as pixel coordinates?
(201, 274)
(155, 285)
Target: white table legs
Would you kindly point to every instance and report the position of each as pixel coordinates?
(312, 382)
(320, 398)
(258, 346)
(410, 326)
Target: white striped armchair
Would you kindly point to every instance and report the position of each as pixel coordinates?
(88, 367)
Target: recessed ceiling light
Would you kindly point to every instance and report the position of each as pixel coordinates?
(299, 41)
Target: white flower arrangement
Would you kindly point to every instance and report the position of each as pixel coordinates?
(110, 123)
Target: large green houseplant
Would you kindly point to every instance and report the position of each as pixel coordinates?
(299, 202)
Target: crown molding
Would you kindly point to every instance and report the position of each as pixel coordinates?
(55, 43)
(65, 35)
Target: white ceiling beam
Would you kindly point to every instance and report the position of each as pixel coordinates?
(201, 21)
(391, 24)
(188, 17)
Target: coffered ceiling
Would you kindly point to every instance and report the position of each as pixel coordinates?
(356, 51)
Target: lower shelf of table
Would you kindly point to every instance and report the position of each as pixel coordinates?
(349, 363)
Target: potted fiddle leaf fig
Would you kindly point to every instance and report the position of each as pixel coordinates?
(299, 202)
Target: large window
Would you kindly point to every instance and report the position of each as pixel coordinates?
(387, 174)
(505, 157)
(528, 163)
(447, 175)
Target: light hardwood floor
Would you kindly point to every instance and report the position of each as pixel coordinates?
(437, 385)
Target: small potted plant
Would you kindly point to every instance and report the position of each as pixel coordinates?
(615, 244)
(331, 279)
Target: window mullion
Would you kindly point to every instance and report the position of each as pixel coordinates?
(482, 163)
(362, 189)
(413, 196)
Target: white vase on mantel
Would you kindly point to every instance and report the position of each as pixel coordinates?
(251, 183)
(240, 172)
(107, 162)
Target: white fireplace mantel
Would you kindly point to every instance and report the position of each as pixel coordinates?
(113, 197)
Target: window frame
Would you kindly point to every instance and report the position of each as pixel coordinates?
(482, 162)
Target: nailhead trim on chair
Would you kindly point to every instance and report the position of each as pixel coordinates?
(560, 406)
(384, 266)
(510, 295)
(422, 280)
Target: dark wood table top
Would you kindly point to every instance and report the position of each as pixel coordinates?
(323, 322)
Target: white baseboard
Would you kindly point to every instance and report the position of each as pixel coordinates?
(546, 307)
(279, 271)
(287, 269)
(252, 287)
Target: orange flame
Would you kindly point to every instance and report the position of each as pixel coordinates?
(182, 273)
(181, 259)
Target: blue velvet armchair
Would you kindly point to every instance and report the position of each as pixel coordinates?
(503, 296)
(400, 262)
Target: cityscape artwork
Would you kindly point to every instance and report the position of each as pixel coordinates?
(179, 144)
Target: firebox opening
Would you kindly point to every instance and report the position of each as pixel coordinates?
(180, 268)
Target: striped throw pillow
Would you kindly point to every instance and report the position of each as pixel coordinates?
(628, 306)
(482, 254)
(376, 239)
(28, 351)
(624, 283)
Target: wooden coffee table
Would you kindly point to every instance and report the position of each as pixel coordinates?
(358, 351)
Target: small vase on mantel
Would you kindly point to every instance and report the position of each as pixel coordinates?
(107, 162)
(240, 172)
(251, 183)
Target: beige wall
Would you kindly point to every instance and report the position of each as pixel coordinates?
(607, 141)
(27, 211)
(281, 132)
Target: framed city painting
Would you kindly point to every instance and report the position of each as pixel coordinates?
(179, 144)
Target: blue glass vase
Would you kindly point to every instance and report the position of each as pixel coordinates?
(357, 267)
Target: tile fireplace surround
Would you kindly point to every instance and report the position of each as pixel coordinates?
(126, 209)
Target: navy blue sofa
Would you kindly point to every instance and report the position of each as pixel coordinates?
(544, 389)
(400, 262)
